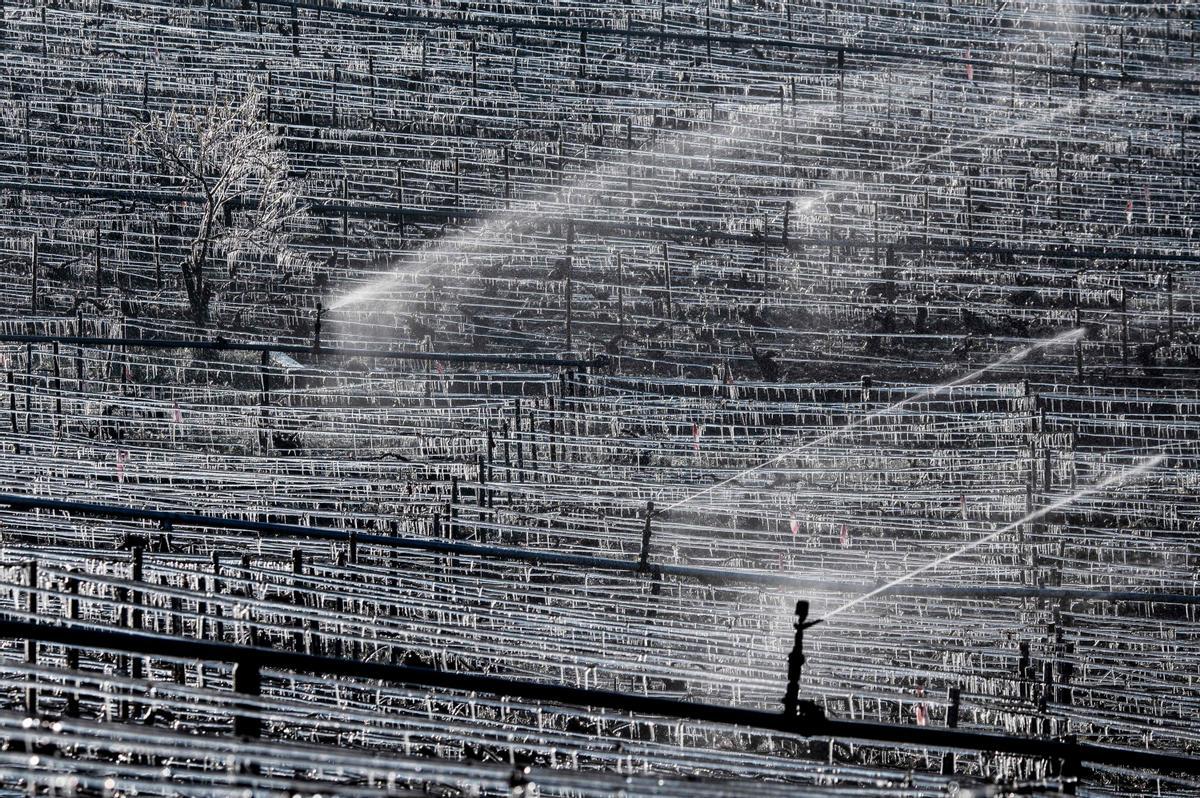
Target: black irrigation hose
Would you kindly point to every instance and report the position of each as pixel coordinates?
(811, 723)
(698, 573)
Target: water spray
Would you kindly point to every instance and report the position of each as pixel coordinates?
(1118, 478)
(1067, 337)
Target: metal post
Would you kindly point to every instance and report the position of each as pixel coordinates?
(644, 557)
(297, 570)
(796, 659)
(247, 681)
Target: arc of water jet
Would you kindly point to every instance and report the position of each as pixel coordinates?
(602, 178)
(820, 196)
(475, 238)
(1070, 335)
(1145, 465)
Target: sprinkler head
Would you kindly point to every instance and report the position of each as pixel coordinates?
(801, 611)
(802, 621)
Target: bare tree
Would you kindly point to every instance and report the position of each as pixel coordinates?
(230, 158)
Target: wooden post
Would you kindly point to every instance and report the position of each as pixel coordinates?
(12, 401)
(215, 585)
(135, 609)
(926, 203)
(295, 31)
(157, 258)
(520, 440)
(667, 289)
(952, 695)
(297, 571)
(507, 181)
(374, 85)
(71, 587)
(400, 199)
(507, 452)
(247, 681)
(708, 31)
(175, 629)
(29, 388)
(629, 159)
(516, 57)
(264, 403)
(841, 84)
(457, 197)
(1058, 203)
(79, 351)
(270, 116)
(970, 216)
(474, 75)
(31, 646)
(136, 571)
(33, 272)
(620, 296)
(481, 491)
(560, 161)
(569, 287)
(553, 432)
(1079, 345)
(316, 344)
(58, 407)
(1124, 328)
(345, 212)
(99, 271)
(1170, 304)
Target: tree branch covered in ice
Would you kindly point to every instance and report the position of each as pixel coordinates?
(230, 158)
